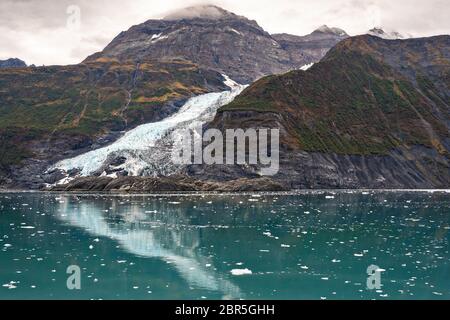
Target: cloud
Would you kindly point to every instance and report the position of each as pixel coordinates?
(37, 31)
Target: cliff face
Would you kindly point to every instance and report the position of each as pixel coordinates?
(373, 113)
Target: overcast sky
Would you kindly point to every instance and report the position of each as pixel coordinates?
(46, 31)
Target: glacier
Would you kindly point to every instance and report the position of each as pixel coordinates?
(146, 150)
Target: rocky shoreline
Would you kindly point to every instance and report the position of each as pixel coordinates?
(166, 184)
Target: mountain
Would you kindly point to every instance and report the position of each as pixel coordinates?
(145, 75)
(372, 113)
(313, 47)
(220, 40)
(392, 35)
(12, 63)
(51, 113)
(369, 113)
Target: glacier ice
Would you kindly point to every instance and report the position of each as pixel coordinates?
(147, 148)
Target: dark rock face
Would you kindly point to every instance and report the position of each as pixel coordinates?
(222, 41)
(168, 184)
(12, 63)
(419, 168)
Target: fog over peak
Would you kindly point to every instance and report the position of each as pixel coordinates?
(206, 11)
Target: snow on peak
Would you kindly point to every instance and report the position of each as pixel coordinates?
(326, 29)
(391, 35)
(200, 11)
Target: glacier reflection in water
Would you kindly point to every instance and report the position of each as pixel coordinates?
(174, 245)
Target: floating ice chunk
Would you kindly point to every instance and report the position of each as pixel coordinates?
(335, 261)
(241, 272)
(10, 285)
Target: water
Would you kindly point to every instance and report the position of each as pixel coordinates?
(314, 245)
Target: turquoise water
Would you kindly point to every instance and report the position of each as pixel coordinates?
(275, 246)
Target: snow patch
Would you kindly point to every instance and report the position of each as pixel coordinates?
(307, 66)
(158, 37)
(235, 31)
(389, 35)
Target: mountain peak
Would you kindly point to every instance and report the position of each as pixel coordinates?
(211, 12)
(326, 29)
(12, 63)
(379, 32)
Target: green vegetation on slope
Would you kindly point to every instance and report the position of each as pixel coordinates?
(351, 103)
(90, 99)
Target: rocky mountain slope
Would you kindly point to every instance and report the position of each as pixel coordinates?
(220, 40)
(50, 113)
(313, 46)
(373, 113)
(12, 63)
(143, 76)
